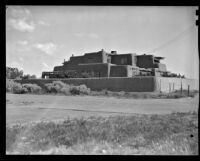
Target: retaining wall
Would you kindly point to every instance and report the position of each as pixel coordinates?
(134, 84)
(137, 84)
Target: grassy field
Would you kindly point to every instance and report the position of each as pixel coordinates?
(57, 124)
(28, 107)
(169, 134)
(146, 95)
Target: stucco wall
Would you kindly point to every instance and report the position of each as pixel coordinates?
(137, 84)
(134, 59)
(145, 61)
(96, 57)
(99, 69)
(123, 59)
(165, 84)
(162, 67)
(118, 71)
(134, 84)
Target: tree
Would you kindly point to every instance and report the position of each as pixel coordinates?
(33, 76)
(28, 76)
(13, 73)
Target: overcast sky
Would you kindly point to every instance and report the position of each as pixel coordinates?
(41, 37)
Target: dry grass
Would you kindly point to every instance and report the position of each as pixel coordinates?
(145, 95)
(172, 134)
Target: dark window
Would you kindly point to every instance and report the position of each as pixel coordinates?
(124, 61)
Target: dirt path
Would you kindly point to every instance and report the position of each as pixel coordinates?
(25, 108)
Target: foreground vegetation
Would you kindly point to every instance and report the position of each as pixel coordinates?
(172, 134)
(58, 87)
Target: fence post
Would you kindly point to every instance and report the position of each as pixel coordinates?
(160, 85)
(188, 90)
(169, 87)
(181, 87)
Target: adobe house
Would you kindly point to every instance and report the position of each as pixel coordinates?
(104, 64)
(117, 72)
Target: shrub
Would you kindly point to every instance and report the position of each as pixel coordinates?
(104, 92)
(121, 93)
(19, 89)
(74, 90)
(82, 89)
(57, 87)
(32, 88)
(65, 90)
(49, 88)
(9, 85)
(60, 84)
(15, 87)
(60, 87)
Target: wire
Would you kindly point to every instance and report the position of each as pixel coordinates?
(174, 39)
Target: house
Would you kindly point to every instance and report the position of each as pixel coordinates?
(104, 64)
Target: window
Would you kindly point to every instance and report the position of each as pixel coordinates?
(124, 61)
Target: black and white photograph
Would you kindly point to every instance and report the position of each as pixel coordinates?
(101, 80)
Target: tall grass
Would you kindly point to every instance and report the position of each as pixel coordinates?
(175, 133)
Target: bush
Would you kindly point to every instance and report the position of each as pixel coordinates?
(60, 87)
(57, 87)
(19, 89)
(9, 85)
(74, 90)
(14, 87)
(82, 89)
(32, 88)
(49, 88)
(104, 92)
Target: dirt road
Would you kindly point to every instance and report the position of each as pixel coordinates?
(25, 108)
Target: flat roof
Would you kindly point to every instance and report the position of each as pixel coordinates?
(155, 57)
(159, 57)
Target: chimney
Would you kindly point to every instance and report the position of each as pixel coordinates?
(113, 52)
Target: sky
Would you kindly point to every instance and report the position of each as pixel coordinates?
(41, 37)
